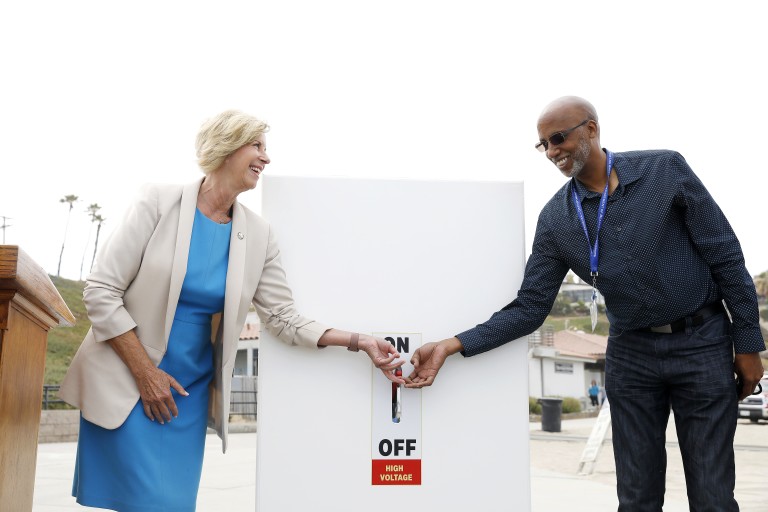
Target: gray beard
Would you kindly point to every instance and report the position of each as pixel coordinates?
(580, 157)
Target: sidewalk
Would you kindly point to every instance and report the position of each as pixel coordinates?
(555, 460)
(228, 481)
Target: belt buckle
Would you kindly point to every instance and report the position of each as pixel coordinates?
(662, 329)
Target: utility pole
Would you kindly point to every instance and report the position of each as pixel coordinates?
(5, 225)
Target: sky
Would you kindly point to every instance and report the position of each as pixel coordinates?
(98, 97)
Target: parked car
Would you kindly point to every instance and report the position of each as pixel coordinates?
(755, 407)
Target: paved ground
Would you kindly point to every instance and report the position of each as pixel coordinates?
(555, 460)
(228, 481)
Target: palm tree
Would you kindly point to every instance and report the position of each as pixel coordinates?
(99, 219)
(71, 199)
(91, 211)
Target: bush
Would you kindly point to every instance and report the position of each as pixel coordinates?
(580, 308)
(534, 407)
(571, 404)
(561, 307)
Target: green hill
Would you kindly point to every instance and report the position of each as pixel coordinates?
(64, 341)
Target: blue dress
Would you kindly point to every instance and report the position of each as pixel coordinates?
(143, 466)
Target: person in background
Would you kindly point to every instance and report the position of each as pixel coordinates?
(644, 230)
(593, 392)
(167, 299)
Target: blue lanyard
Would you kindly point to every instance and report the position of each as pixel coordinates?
(593, 251)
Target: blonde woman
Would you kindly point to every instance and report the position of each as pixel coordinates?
(167, 299)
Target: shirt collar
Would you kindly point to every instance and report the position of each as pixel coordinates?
(626, 172)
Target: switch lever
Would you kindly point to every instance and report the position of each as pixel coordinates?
(397, 406)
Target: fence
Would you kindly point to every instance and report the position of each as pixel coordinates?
(50, 397)
(242, 399)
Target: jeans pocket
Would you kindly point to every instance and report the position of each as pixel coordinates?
(715, 330)
(614, 333)
(617, 362)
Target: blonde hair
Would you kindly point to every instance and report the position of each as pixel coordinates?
(224, 134)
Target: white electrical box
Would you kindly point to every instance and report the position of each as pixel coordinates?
(399, 259)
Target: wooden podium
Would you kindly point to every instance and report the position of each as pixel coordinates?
(29, 306)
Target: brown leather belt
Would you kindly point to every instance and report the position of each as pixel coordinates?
(716, 308)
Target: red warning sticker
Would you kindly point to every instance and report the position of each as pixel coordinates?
(396, 472)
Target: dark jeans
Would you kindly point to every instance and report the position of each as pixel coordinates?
(690, 372)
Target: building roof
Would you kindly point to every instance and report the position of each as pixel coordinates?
(579, 343)
(250, 331)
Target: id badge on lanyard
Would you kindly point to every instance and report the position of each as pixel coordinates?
(594, 250)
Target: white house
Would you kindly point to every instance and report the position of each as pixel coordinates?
(246, 361)
(564, 363)
(580, 292)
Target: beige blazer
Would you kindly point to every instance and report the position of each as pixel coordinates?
(136, 283)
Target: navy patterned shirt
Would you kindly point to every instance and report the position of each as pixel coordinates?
(666, 250)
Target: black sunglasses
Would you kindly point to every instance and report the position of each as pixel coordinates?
(558, 138)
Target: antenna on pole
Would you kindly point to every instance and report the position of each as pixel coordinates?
(5, 225)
